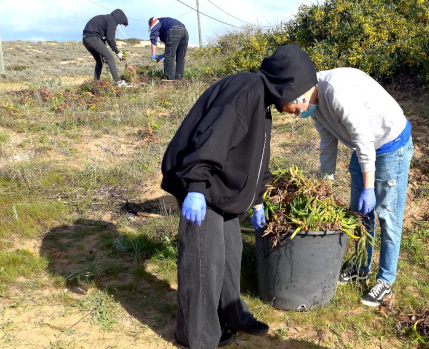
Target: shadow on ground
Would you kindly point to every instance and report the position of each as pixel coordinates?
(92, 253)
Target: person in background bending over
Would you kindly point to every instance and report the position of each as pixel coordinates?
(97, 31)
(175, 37)
(348, 105)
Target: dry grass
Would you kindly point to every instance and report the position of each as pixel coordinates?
(93, 275)
(30, 62)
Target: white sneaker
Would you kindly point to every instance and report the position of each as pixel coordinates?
(377, 294)
(351, 274)
(123, 83)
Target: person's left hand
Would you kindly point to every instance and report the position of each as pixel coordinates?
(120, 55)
(367, 201)
(158, 58)
(153, 56)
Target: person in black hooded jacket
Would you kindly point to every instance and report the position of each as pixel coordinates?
(97, 31)
(216, 165)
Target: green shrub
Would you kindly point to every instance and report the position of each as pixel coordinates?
(380, 37)
(17, 67)
(132, 41)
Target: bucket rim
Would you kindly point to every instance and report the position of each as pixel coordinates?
(314, 233)
(317, 233)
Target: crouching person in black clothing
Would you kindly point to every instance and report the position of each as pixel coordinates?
(216, 165)
(97, 31)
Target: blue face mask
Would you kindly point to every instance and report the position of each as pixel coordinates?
(305, 113)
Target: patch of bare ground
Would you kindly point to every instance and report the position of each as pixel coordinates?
(67, 80)
(44, 326)
(151, 195)
(87, 147)
(37, 318)
(75, 80)
(107, 147)
(36, 322)
(9, 86)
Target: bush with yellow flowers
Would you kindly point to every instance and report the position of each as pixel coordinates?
(380, 37)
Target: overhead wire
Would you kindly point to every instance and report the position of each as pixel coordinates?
(255, 25)
(191, 8)
(210, 16)
(99, 5)
(184, 14)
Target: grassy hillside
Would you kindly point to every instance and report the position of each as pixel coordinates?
(78, 270)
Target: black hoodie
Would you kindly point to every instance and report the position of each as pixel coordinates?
(222, 148)
(104, 27)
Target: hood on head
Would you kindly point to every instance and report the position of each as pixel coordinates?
(120, 17)
(288, 73)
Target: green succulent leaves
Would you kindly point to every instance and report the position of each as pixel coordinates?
(295, 203)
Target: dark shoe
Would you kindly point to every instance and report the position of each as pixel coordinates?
(224, 340)
(377, 294)
(256, 327)
(351, 274)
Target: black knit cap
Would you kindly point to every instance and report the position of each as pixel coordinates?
(288, 73)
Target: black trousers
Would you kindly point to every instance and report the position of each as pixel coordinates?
(209, 266)
(176, 45)
(98, 50)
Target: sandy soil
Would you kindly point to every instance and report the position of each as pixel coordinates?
(41, 318)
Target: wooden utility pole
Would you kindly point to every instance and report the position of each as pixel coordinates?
(1, 59)
(199, 24)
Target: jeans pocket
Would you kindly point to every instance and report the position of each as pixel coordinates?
(174, 34)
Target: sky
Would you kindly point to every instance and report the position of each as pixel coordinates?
(64, 20)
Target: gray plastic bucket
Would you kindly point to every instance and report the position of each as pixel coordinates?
(300, 273)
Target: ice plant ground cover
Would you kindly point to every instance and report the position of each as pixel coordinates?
(295, 202)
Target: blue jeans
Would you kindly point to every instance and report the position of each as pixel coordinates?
(391, 180)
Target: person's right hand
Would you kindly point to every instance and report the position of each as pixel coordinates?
(367, 201)
(153, 57)
(158, 58)
(258, 218)
(120, 55)
(194, 207)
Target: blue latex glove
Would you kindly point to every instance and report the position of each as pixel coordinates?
(258, 218)
(367, 201)
(158, 58)
(194, 207)
(153, 56)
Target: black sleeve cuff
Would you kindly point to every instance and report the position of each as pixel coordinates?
(197, 186)
(260, 199)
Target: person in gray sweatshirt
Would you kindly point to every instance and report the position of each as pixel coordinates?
(348, 105)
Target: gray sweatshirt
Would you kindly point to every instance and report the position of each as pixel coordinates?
(353, 108)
